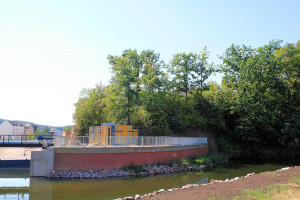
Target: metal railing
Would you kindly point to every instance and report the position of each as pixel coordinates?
(107, 141)
(18, 139)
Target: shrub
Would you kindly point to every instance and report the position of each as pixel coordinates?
(185, 162)
(175, 160)
(209, 159)
(203, 161)
(135, 168)
(217, 158)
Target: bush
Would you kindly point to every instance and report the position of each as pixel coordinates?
(203, 161)
(135, 168)
(217, 158)
(209, 159)
(185, 162)
(175, 160)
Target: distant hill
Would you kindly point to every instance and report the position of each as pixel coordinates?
(41, 127)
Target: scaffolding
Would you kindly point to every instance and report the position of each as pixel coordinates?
(111, 134)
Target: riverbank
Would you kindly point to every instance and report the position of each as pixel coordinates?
(227, 189)
(146, 170)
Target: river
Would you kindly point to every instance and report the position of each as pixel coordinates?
(17, 184)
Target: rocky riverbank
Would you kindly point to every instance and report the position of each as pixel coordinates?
(147, 170)
(222, 188)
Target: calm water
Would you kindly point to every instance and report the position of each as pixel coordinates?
(16, 184)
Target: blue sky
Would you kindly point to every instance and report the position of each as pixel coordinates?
(50, 50)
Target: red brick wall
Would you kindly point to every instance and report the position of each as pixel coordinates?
(81, 161)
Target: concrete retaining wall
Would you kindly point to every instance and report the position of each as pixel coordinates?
(80, 158)
(42, 162)
(109, 158)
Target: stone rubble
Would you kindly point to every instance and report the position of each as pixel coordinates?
(148, 170)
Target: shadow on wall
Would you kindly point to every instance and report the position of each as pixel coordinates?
(198, 132)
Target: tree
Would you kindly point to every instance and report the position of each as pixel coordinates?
(155, 84)
(90, 109)
(126, 71)
(134, 74)
(182, 66)
(202, 70)
(45, 131)
(257, 80)
(190, 71)
(67, 129)
(289, 59)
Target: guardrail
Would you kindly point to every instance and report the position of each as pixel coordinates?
(107, 141)
(18, 138)
(23, 139)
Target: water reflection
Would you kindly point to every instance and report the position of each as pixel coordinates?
(42, 188)
(107, 189)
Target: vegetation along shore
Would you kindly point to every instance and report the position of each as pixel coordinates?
(196, 163)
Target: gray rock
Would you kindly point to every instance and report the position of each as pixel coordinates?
(128, 198)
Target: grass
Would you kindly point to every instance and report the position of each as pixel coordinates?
(295, 180)
(286, 191)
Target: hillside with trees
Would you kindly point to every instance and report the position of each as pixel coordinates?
(254, 112)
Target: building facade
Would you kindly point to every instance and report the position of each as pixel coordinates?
(6, 128)
(28, 129)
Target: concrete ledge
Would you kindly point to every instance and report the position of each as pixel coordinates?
(42, 162)
(137, 149)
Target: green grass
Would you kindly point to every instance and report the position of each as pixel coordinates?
(295, 180)
(274, 192)
(261, 194)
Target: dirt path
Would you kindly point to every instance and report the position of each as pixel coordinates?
(226, 190)
(11, 153)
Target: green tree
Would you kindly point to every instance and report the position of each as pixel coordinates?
(126, 71)
(90, 109)
(67, 129)
(202, 70)
(155, 84)
(257, 104)
(45, 131)
(289, 59)
(182, 66)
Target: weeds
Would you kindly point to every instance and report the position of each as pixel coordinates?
(295, 180)
(185, 162)
(273, 192)
(197, 160)
(135, 168)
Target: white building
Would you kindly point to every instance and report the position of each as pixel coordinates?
(6, 128)
(18, 130)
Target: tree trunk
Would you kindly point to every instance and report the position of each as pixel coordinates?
(128, 109)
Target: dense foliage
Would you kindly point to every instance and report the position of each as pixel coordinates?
(254, 112)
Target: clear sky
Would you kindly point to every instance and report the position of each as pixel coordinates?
(50, 50)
